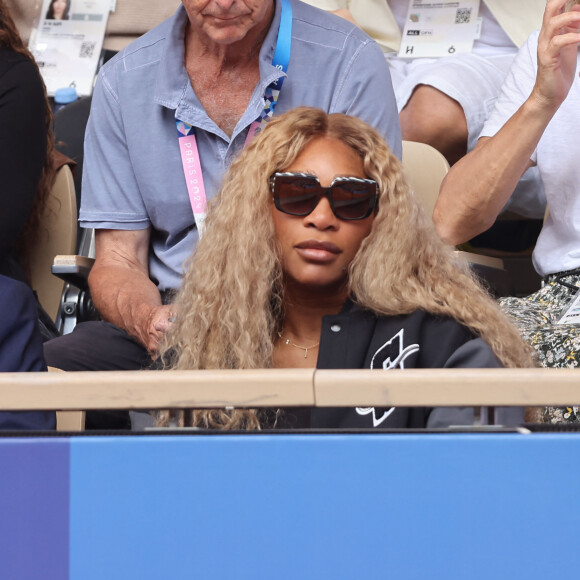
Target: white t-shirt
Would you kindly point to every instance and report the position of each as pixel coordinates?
(558, 160)
(493, 39)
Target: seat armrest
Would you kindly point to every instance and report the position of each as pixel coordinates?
(488, 261)
(489, 270)
(73, 269)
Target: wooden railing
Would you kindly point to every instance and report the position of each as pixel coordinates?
(288, 387)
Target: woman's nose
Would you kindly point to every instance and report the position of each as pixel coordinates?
(322, 216)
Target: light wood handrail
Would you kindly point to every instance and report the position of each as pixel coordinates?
(448, 387)
(156, 389)
(288, 387)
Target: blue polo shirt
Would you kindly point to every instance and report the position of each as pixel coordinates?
(133, 176)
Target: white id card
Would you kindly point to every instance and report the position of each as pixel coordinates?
(67, 43)
(571, 313)
(436, 29)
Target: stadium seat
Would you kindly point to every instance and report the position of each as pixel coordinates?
(58, 236)
(425, 168)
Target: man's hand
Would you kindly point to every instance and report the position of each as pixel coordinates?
(557, 52)
(121, 289)
(159, 321)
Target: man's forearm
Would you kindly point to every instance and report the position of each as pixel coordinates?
(479, 185)
(126, 298)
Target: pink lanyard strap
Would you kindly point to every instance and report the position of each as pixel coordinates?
(186, 132)
(192, 172)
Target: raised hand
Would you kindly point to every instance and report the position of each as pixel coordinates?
(557, 52)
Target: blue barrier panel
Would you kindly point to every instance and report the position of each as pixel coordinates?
(323, 506)
(34, 509)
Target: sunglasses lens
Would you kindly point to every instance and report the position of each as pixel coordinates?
(350, 198)
(353, 200)
(296, 195)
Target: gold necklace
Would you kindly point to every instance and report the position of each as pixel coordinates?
(304, 348)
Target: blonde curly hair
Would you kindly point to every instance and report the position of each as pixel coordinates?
(230, 308)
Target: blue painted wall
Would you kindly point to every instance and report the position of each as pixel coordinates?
(314, 507)
(289, 507)
(34, 509)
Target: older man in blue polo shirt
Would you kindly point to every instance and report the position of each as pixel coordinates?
(169, 114)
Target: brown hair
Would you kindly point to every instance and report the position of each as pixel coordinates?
(9, 38)
(50, 11)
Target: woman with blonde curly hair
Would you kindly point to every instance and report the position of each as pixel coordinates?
(315, 254)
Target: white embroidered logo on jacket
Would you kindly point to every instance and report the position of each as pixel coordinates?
(391, 355)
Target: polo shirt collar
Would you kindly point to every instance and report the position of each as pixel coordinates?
(173, 89)
(172, 79)
(268, 72)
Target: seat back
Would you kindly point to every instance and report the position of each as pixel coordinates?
(58, 236)
(425, 168)
(70, 124)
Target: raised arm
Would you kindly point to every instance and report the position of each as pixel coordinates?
(121, 289)
(479, 185)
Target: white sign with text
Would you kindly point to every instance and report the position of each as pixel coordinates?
(67, 42)
(437, 29)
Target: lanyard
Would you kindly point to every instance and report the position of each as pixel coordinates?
(186, 133)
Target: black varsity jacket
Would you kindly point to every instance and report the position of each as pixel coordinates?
(360, 339)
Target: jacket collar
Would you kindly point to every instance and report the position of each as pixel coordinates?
(345, 337)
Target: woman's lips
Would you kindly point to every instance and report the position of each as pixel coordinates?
(316, 251)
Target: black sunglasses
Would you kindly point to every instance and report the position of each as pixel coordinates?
(351, 198)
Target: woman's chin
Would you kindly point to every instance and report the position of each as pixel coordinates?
(319, 285)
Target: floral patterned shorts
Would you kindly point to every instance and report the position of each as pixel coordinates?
(557, 346)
